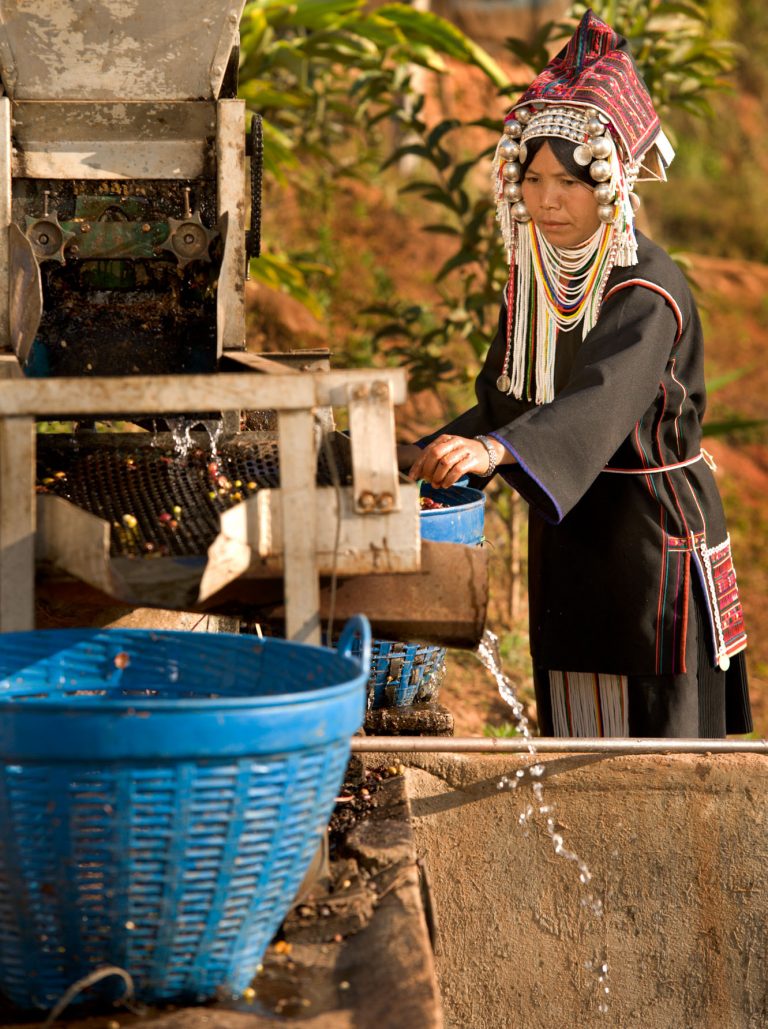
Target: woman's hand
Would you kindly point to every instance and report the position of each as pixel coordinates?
(448, 458)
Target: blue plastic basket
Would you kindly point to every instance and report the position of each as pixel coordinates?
(411, 673)
(161, 796)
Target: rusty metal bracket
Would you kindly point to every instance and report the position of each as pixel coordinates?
(374, 460)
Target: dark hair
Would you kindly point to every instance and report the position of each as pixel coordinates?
(563, 151)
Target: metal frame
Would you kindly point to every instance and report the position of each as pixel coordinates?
(293, 396)
(5, 220)
(549, 745)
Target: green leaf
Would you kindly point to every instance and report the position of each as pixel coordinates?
(441, 129)
(463, 257)
(725, 380)
(278, 272)
(434, 31)
(690, 10)
(460, 173)
(414, 149)
(445, 230)
(731, 425)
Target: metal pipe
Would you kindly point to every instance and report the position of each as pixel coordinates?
(549, 745)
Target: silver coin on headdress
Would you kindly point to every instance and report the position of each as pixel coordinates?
(582, 155)
(603, 193)
(503, 383)
(509, 149)
(523, 153)
(520, 212)
(512, 192)
(634, 199)
(601, 148)
(600, 171)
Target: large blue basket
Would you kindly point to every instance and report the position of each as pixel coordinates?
(161, 796)
(408, 673)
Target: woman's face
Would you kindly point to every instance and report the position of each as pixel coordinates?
(563, 209)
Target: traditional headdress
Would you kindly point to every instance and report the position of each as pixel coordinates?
(591, 94)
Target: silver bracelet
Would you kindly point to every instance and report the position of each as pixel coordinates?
(492, 459)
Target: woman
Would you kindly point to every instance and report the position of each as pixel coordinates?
(590, 404)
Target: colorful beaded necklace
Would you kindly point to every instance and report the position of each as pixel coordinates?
(565, 289)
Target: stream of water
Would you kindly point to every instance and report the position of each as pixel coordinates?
(181, 428)
(490, 658)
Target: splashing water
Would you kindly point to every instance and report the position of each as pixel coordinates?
(181, 433)
(490, 658)
(214, 429)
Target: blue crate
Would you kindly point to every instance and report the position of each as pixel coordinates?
(161, 796)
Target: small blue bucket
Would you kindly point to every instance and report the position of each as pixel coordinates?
(161, 796)
(406, 673)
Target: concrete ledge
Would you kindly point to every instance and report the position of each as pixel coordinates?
(677, 847)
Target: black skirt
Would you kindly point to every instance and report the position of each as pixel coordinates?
(703, 703)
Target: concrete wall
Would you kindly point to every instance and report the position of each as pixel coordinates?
(677, 846)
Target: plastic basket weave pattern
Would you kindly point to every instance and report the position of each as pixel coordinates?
(404, 673)
(158, 817)
(410, 673)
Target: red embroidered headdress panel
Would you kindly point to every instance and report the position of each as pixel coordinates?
(596, 69)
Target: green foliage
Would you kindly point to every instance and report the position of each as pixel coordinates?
(323, 74)
(505, 730)
(683, 63)
(328, 76)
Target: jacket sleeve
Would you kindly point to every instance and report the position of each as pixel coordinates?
(562, 447)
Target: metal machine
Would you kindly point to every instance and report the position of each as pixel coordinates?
(123, 184)
(124, 189)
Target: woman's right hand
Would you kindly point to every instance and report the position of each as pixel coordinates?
(448, 458)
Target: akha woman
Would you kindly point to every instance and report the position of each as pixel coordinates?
(589, 404)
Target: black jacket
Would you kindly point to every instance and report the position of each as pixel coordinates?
(614, 559)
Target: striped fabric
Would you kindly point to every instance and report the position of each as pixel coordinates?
(589, 704)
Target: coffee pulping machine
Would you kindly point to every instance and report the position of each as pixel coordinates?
(127, 171)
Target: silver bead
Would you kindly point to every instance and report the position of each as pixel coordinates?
(606, 213)
(508, 149)
(601, 148)
(512, 192)
(523, 115)
(513, 129)
(634, 199)
(520, 212)
(600, 171)
(595, 127)
(603, 193)
(511, 172)
(582, 155)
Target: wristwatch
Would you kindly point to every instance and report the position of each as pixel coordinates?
(492, 458)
